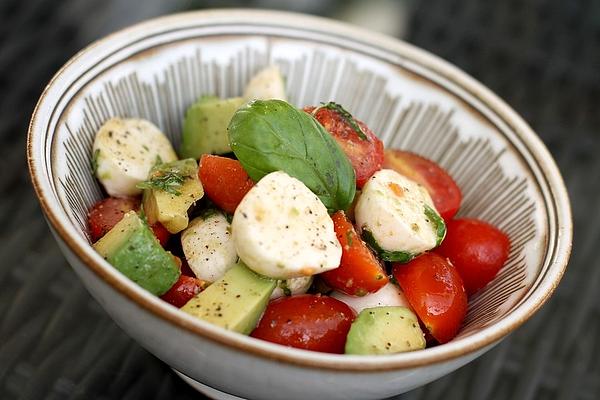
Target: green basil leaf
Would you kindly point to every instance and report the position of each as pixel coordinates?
(283, 284)
(438, 224)
(385, 255)
(272, 135)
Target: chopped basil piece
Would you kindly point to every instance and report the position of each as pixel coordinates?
(394, 256)
(169, 181)
(349, 237)
(169, 177)
(283, 284)
(438, 223)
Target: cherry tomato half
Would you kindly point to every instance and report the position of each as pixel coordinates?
(435, 291)
(183, 290)
(365, 153)
(444, 192)
(310, 322)
(161, 233)
(477, 249)
(360, 272)
(106, 213)
(224, 180)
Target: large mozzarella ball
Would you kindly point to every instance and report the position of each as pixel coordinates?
(124, 151)
(282, 230)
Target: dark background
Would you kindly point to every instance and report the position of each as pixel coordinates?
(542, 57)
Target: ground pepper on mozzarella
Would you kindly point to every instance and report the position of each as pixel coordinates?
(124, 151)
(392, 214)
(208, 246)
(282, 230)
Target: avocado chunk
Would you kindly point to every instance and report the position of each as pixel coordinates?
(384, 330)
(235, 302)
(131, 247)
(170, 191)
(205, 126)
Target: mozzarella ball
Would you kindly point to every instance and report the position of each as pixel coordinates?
(392, 208)
(388, 295)
(292, 287)
(282, 230)
(125, 150)
(208, 246)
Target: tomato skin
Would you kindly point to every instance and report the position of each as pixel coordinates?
(183, 290)
(444, 192)
(477, 249)
(224, 180)
(366, 156)
(435, 291)
(106, 213)
(310, 322)
(161, 233)
(185, 269)
(360, 272)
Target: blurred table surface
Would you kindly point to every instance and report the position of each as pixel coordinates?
(542, 57)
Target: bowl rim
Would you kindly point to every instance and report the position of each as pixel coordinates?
(488, 337)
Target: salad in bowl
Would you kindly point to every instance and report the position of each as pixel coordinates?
(290, 225)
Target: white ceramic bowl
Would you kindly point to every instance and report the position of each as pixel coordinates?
(410, 98)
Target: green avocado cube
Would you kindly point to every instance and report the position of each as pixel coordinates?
(384, 330)
(235, 302)
(205, 126)
(131, 247)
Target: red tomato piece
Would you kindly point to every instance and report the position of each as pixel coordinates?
(444, 192)
(360, 272)
(161, 233)
(435, 291)
(107, 213)
(365, 154)
(224, 180)
(477, 249)
(185, 269)
(310, 322)
(183, 290)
